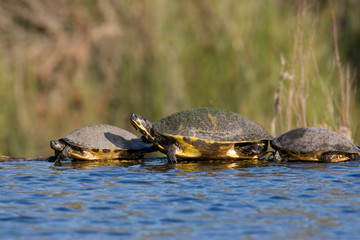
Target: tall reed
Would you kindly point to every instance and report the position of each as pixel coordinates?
(331, 99)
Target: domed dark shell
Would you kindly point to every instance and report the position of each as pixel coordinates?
(313, 139)
(103, 136)
(212, 125)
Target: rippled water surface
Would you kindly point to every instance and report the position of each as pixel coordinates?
(151, 199)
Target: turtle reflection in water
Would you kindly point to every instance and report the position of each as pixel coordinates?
(204, 133)
(99, 142)
(314, 144)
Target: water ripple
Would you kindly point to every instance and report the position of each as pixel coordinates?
(151, 199)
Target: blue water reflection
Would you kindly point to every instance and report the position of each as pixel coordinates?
(150, 199)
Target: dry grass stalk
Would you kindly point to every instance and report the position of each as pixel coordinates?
(295, 106)
(294, 110)
(345, 84)
(277, 98)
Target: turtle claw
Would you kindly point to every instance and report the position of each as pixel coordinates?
(277, 156)
(57, 163)
(55, 159)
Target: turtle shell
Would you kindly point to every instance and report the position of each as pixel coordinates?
(310, 143)
(212, 133)
(210, 124)
(102, 141)
(103, 136)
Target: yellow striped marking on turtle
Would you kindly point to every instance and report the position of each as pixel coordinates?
(204, 133)
(314, 144)
(99, 142)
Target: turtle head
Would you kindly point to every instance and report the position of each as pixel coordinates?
(142, 125)
(57, 145)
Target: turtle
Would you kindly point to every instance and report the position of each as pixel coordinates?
(204, 133)
(314, 144)
(99, 142)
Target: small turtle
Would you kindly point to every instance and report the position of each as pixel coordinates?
(99, 142)
(204, 133)
(314, 144)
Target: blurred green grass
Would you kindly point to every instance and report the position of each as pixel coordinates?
(65, 64)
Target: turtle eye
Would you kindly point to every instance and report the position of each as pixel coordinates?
(138, 122)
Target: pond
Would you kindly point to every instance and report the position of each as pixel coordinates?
(151, 199)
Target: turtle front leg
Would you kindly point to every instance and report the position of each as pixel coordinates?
(58, 160)
(65, 153)
(170, 152)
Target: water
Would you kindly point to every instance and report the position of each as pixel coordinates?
(151, 199)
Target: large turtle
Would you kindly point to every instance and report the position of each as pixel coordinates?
(99, 142)
(204, 133)
(314, 144)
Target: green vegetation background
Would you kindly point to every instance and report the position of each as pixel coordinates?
(68, 63)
